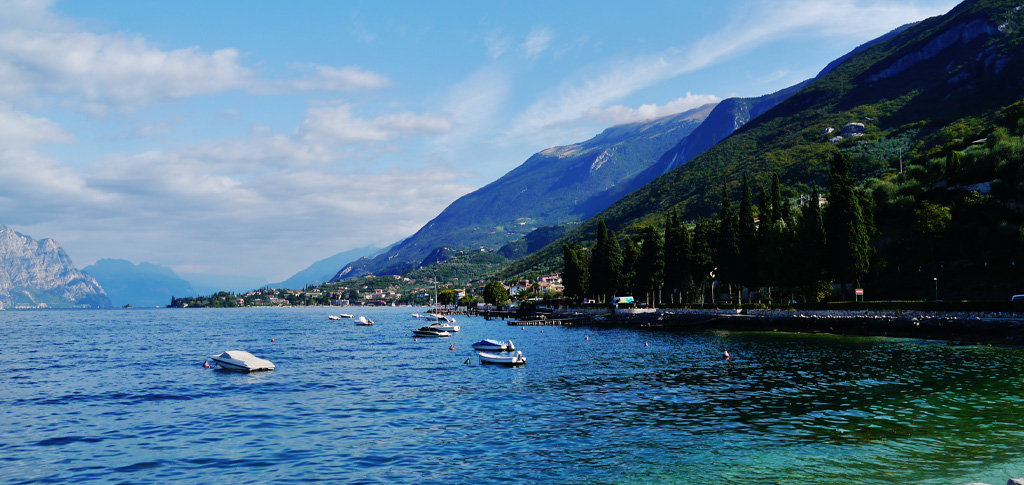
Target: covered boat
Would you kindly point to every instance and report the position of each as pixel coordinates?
(241, 360)
(363, 321)
(489, 344)
(504, 359)
(345, 315)
(333, 317)
(430, 332)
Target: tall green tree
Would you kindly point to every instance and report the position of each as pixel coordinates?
(601, 270)
(630, 256)
(575, 277)
(776, 211)
(810, 265)
(729, 241)
(703, 254)
(748, 274)
(845, 230)
(677, 252)
(446, 297)
(495, 293)
(650, 267)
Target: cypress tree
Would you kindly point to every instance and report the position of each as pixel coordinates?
(650, 267)
(811, 247)
(747, 239)
(728, 241)
(600, 271)
(574, 278)
(702, 253)
(673, 253)
(614, 264)
(776, 214)
(845, 231)
(630, 255)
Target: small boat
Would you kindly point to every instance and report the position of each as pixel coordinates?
(505, 359)
(489, 344)
(333, 317)
(447, 327)
(344, 315)
(241, 360)
(445, 318)
(430, 332)
(363, 321)
(417, 315)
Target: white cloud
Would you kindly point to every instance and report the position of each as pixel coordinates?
(473, 105)
(757, 26)
(537, 42)
(497, 44)
(21, 130)
(622, 114)
(348, 78)
(336, 125)
(114, 70)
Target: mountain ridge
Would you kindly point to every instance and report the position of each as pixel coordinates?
(40, 274)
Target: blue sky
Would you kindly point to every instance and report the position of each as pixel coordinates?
(249, 139)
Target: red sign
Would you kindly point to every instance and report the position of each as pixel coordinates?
(859, 292)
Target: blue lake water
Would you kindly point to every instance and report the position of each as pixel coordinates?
(120, 396)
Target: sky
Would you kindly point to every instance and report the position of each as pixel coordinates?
(241, 141)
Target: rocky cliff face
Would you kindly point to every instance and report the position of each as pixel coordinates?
(39, 274)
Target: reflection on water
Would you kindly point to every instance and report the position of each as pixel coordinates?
(121, 396)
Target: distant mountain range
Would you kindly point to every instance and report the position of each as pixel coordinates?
(39, 274)
(322, 271)
(141, 285)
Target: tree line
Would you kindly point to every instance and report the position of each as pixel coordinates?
(743, 255)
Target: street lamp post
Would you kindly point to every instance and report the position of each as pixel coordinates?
(936, 288)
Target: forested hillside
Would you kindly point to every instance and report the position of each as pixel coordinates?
(932, 151)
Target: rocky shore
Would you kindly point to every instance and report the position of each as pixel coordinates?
(1003, 328)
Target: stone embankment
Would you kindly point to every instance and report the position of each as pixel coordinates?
(965, 327)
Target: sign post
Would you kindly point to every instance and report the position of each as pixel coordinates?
(858, 292)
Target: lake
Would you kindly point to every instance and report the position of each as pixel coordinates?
(121, 396)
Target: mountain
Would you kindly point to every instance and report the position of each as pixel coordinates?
(38, 274)
(142, 285)
(556, 186)
(322, 271)
(931, 88)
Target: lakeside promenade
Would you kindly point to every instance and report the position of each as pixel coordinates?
(1005, 328)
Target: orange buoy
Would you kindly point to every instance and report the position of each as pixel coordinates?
(272, 340)
(524, 329)
(414, 339)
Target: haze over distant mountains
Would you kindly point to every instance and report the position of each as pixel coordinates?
(141, 285)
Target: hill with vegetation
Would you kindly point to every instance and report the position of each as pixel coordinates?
(556, 186)
(918, 135)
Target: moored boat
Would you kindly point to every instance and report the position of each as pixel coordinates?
(430, 332)
(363, 321)
(490, 344)
(333, 317)
(241, 360)
(447, 327)
(505, 359)
(345, 315)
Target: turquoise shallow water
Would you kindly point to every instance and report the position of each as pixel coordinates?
(120, 396)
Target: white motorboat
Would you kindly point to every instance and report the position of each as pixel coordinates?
(445, 318)
(505, 359)
(447, 327)
(333, 317)
(363, 321)
(345, 315)
(241, 360)
(417, 315)
(489, 344)
(430, 332)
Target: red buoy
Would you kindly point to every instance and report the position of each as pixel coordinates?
(587, 337)
(725, 355)
(646, 344)
(452, 347)
(206, 364)
(271, 340)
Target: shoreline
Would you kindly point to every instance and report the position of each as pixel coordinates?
(1003, 328)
